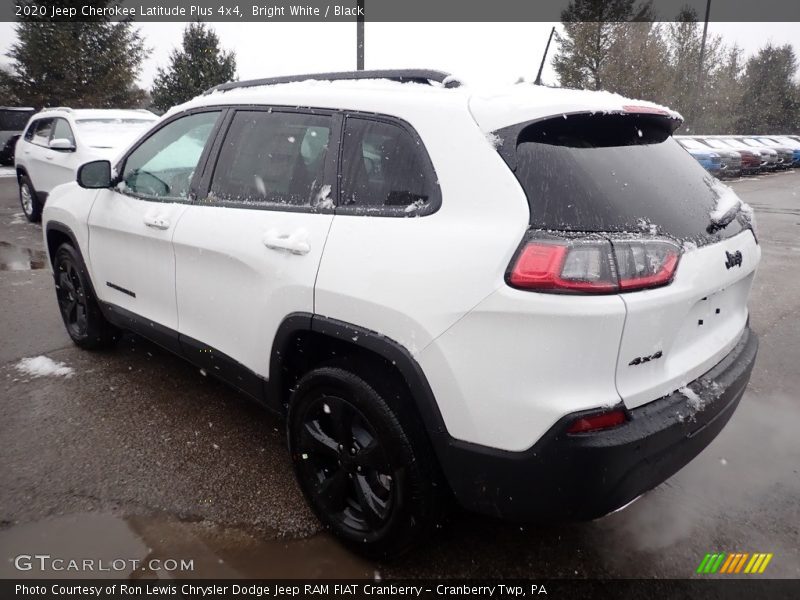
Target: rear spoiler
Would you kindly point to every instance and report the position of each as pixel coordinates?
(510, 135)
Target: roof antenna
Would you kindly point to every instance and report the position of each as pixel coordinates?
(360, 36)
(544, 57)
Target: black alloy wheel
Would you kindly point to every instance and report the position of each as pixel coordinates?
(340, 453)
(71, 297)
(363, 461)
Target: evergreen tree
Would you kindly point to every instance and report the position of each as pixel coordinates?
(770, 101)
(589, 32)
(683, 90)
(721, 110)
(638, 61)
(612, 45)
(7, 95)
(199, 65)
(80, 64)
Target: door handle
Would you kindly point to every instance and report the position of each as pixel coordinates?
(295, 242)
(48, 156)
(156, 222)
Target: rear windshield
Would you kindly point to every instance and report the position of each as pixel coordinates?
(14, 120)
(614, 173)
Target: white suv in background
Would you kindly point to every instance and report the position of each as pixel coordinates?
(532, 300)
(57, 141)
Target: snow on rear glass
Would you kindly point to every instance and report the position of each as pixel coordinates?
(613, 173)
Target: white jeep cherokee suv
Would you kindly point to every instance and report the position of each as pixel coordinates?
(57, 141)
(532, 300)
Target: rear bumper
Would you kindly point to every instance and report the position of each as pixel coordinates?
(577, 477)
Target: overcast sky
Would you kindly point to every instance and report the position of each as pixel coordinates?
(477, 52)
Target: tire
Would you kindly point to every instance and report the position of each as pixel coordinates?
(28, 200)
(77, 304)
(367, 472)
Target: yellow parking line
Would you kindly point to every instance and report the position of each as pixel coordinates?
(765, 563)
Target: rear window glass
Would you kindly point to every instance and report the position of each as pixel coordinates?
(613, 173)
(14, 120)
(383, 167)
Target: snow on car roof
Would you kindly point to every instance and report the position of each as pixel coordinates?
(369, 95)
(102, 113)
(113, 114)
(493, 108)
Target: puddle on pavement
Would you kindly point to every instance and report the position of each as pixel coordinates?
(153, 542)
(15, 258)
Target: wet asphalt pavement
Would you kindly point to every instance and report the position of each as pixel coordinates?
(139, 455)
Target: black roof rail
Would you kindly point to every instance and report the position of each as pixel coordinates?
(426, 76)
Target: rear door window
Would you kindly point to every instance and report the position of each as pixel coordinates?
(273, 159)
(614, 173)
(383, 167)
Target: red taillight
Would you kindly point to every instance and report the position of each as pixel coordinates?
(645, 263)
(597, 422)
(593, 265)
(551, 266)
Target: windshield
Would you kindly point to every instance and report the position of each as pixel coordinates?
(718, 144)
(736, 144)
(111, 133)
(694, 145)
(615, 173)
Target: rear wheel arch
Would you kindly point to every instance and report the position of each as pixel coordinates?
(305, 341)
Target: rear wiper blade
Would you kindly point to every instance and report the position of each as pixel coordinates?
(721, 222)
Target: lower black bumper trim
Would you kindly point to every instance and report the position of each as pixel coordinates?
(584, 476)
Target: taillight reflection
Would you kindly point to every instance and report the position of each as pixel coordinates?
(598, 422)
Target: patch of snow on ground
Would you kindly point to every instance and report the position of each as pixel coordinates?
(6, 171)
(42, 366)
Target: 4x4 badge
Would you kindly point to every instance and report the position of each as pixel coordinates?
(734, 260)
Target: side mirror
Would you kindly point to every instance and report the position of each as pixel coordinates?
(62, 144)
(95, 175)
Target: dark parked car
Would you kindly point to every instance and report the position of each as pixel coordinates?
(731, 160)
(751, 158)
(769, 156)
(786, 142)
(708, 159)
(12, 122)
(785, 154)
